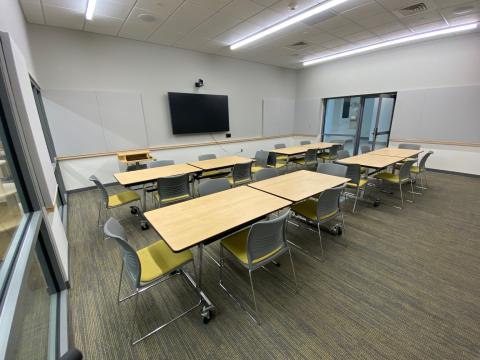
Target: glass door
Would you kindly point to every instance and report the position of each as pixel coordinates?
(341, 120)
(357, 121)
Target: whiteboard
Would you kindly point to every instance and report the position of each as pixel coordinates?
(308, 116)
(450, 114)
(278, 116)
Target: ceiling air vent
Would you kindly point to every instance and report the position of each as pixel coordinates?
(299, 45)
(413, 9)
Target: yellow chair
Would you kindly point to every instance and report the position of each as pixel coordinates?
(241, 174)
(173, 189)
(255, 247)
(273, 161)
(261, 161)
(109, 202)
(331, 155)
(146, 268)
(281, 158)
(420, 170)
(400, 179)
(354, 173)
(310, 160)
(211, 173)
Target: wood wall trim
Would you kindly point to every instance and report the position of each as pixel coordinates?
(436, 142)
(181, 146)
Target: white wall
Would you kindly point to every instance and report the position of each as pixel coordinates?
(13, 22)
(446, 62)
(67, 59)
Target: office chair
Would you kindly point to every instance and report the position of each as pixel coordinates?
(342, 154)
(160, 163)
(265, 174)
(280, 157)
(146, 268)
(274, 162)
(213, 186)
(411, 147)
(332, 154)
(356, 181)
(403, 177)
(172, 189)
(332, 169)
(261, 161)
(112, 201)
(211, 173)
(318, 212)
(135, 167)
(365, 149)
(421, 170)
(255, 247)
(305, 142)
(310, 160)
(241, 174)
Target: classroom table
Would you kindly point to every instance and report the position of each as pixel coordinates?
(298, 185)
(202, 220)
(388, 151)
(220, 163)
(371, 160)
(301, 149)
(129, 178)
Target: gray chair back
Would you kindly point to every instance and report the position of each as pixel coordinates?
(266, 236)
(206, 157)
(423, 160)
(404, 172)
(160, 163)
(172, 187)
(334, 149)
(332, 169)
(213, 186)
(266, 173)
(131, 262)
(100, 187)
(365, 149)
(328, 203)
(242, 172)
(261, 158)
(342, 154)
(305, 142)
(409, 146)
(134, 167)
(279, 146)
(354, 173)
(272, 158)
(311, 157)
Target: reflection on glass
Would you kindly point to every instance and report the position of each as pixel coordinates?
(341, 121)
(29, 334)
(10, 208)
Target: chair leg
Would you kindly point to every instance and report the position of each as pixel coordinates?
(356, 198)
(320, 238)
(221, 264)
(132, 329)
(411, 188)
(293, 270)
(99, 213)
(401, 194)
(253, 296)
(120, 284)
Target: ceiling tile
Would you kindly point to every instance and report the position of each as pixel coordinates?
(113, 8)
(358, 36)
(400, 4)
(33, 12)
(215, 25)
(388, 28)
(104, 25)
(342, 31)
(266, 18)
(214, 5)
(162, 8)
(350, 5)
(379, 19)
(282, 6)
(137, 29)
(334, 43)
(187, 17)
(423, 18)
(265, 2)
(366, 10)
(241, 9)
(463, 9)
(448, 3)
(62, 17)
(436, 25)
(396, 34)
(77, 5)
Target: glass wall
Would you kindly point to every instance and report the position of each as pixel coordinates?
(357, 121)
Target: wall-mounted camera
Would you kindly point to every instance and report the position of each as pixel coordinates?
(199, 83)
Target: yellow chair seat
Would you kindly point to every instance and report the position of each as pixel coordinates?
(214, 173)
(415, 169)
(302, 162)
(308, 208)
(243, 181)
(122, 198)
(237, 245)
(175, 198)
(361, 184)
(327, 157)
(282, 157)
(277, 165)
(256, 169)
(388, 177)
(158, 259)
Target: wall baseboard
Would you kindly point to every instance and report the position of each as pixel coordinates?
(453, 173)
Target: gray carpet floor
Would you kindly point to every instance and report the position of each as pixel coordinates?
(399, 284)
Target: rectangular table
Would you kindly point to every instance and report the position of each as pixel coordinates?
(371, 160)
(129, 178)
(220, 163)
(301, 149)
(208, 218)
(298, 185)
(404, 153)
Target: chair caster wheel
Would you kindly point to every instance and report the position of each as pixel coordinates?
(376, 203)
(144, 226)
(339, 230)
(207, 316)
(133, 210)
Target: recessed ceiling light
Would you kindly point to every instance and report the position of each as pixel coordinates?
(398, 41)
(463, 10)
(90, 9)
(290, 21)
(147, 17)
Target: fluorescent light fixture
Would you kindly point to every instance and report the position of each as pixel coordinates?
(398, 41)
(290, 21)
(90, 9)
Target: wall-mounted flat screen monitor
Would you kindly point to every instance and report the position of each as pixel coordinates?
(198, 113)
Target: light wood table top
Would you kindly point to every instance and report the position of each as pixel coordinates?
(148, 175)
(300, 149)
(405, 153)
(219, 163)
(299, 185)
(192, 222)
(371, 160)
